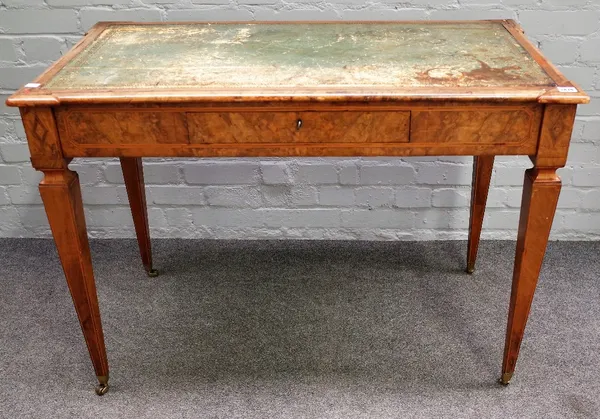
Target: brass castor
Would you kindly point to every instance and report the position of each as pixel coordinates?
(101, 389)
(505, 379)
(152, 273)
(470, 268)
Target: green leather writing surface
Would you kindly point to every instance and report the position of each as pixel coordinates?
(330, 55)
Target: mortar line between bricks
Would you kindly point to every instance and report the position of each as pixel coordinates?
(571, 18)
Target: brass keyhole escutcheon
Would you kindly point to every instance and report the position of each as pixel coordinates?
(298, 124)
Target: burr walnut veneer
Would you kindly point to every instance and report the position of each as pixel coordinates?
(133, 90)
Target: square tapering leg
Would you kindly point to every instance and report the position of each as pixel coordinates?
(540, 197)
(61, 195)
(133, 174)
(482, 174)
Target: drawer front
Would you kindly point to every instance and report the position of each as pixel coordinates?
(114, 127)
(298, 127)
(481, 126)
(230, 132)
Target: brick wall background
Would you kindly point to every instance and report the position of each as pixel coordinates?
(412, 198)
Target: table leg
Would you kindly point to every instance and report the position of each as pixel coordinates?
(540, 197)
(61, 195)
(133, 173)
(482, 173)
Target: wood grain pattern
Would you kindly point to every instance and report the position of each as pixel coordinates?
(297, 150)
(270, 129)
(61, 195)
(42, 138)
(482, 174)
(106, 127)
(502, 126)
(300, 95)
(555, 136)
(133, 174)
(540, 197)
(283, 127)
(242, 127)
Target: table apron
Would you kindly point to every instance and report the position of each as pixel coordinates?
(104, 131)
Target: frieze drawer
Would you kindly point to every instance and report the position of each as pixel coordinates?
(298, 127)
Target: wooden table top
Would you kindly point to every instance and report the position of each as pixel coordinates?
(390, 60)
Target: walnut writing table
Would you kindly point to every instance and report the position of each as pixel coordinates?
(133, 90)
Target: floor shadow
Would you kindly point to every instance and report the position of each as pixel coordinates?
(391, 313)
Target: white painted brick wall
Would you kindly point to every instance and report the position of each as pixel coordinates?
(363, 198)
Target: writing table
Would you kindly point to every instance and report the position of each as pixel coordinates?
(134, 90)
